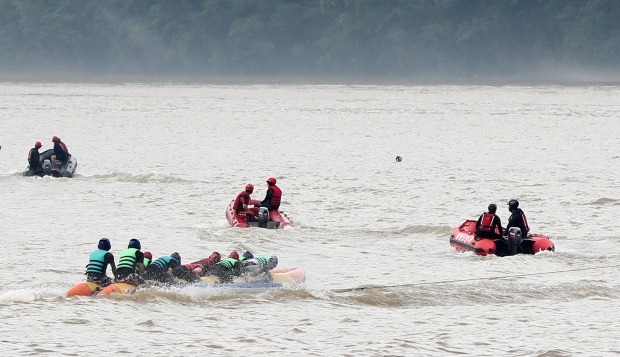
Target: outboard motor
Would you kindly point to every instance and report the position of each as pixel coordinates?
(47, 166)
(514, 239)
(263, 217)
(56, 169)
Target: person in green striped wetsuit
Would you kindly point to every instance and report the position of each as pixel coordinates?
(258, 267)
(98, 263)
(130, 265)
(226, 269)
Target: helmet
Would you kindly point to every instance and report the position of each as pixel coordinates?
(148, 255)
(234, 255)
(104, 244)
(248, 255)
(55, 138)
(513, 204)
(249, 188)
(492, 208)
(215, 257)
(176, 257)
(134, 243)
(271, 180)
(37, 144)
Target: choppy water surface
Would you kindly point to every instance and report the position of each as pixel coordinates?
(160, 162)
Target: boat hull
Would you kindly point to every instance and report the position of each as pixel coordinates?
(67, 170)
(464, 239)
(282, 276)
(117, 288)
(86, 288)
(277, 219)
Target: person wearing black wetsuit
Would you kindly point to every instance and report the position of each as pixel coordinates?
(34, 159)
(517, 218)
(489, 224)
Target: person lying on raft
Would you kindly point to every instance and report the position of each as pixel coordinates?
(253, 268)
(258, 268)
(98, 263)
(148, 258)
(193, 271)
(226, 269)
(161, 269)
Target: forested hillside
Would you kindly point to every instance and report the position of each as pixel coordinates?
(460, 38)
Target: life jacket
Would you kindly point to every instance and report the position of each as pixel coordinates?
(487, 221)
(267, 262)
(161, 263)
(228, 263)
(128, 259)
(275, 198)
(63, 147)
(241, 200)
(525, 225)
(96, 262)
(34, 159)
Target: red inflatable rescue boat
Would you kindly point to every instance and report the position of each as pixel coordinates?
(464, 239)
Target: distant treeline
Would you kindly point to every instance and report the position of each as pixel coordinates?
(461, 38)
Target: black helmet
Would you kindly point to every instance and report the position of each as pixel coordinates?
(134, 243)
(492, 208)
(512, 204)
(176, 257)
(104, 244)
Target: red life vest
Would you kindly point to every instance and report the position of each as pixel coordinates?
(527, 226)
(243, 198)
(64, 147)
(487, 221)
(276, 198)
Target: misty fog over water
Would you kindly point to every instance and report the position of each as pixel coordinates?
(564, 41)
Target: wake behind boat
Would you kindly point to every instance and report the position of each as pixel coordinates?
(464, 239)
(66, 170)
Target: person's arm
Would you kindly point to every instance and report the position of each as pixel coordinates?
(140, 267)
(245, 200)
(268, 196)
(140, 262)
(499, 225)
(479, 222)
(110, 259)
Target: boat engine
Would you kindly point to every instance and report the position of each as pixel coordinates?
(514, 239)
(47, 167)
(263, 217)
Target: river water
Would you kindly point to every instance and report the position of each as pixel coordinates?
(160, 162)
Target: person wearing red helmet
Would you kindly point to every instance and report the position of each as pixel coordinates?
(34, 160)
(193, 271)
(273, 197)
(227, 268)
(243, 201)
(148, 258)
(61, 153)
